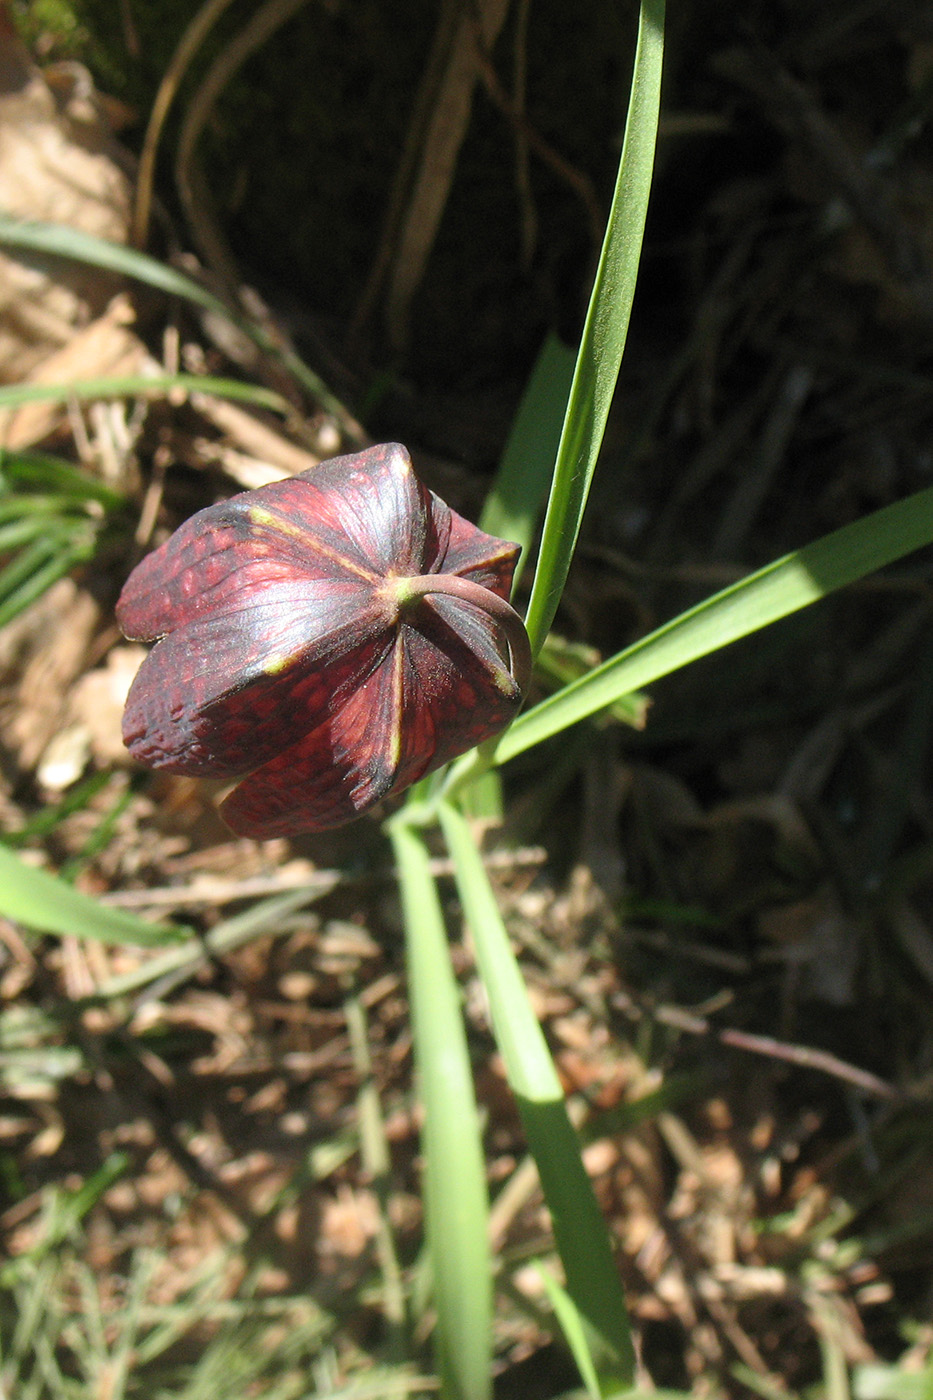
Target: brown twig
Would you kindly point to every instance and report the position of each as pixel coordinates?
(580, 183)
(805, 1056)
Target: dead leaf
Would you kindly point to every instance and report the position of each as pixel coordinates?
(46, 649)
(107, 347)
(58, 163)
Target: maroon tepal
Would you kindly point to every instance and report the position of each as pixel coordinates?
(334, 637)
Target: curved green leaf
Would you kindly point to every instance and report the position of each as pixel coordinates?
(604, 332)
(60, 241)
(579, 1229)
(455, 1197)
(46, 904)
(141, 386)
(781, 588)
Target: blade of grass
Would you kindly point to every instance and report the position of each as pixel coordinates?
(46, 904)
(43, 536)
(579, 1230)
(456, 1205)
(14, 507)
(38, 471)
(826, 1323)
(98, 838)
(64, 1212)
(374, 1154)
(517, 495)
(571, 1324)
(60, 241)
(882, 1381)
(122, 1350)
(48, 818)
(758, 1384)
(33, 526)
(55, 539)
(142, 386)
(779, 589)
(604, 331)
(560, 662)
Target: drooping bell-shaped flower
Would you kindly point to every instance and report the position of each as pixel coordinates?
(328, 639)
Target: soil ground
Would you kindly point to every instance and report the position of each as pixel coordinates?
(724, 916)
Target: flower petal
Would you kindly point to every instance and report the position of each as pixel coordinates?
(226, 693)
(481, 557)
(374, 500)
(463, 682)
(417, 710)
(335, 773)
(223, 557)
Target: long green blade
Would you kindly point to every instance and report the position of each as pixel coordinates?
(579, 1229)
(63, 242)
(781, 588)
(37, 567)
(575, 1333)
(605, 330)
(141, 386)
(60, 480)
(49, 905)
(455, 1181)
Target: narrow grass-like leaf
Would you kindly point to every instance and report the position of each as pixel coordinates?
(44, 563)
(143, 387)
(64, 1212)
(456, 1205)
(571, 1324)
(520, 487)
(561, 662)
(15, 507)
(579, 1229)
(828, 1327)
(60, 241)
(376, 1162)
(58, 479)
(52, 814)
(54, 540)
(879, 1381)
(639, 1394)
(604, 331)
(46, 904)
(43, 535)
(16, 532)
(779, 589)
(765, 1386)
(72, 244)
(98, 838)
(516, 499)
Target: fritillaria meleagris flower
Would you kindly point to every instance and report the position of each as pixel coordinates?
(327, 639)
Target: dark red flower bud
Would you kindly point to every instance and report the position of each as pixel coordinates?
(334, 637)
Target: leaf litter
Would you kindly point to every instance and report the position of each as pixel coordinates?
(732, 960)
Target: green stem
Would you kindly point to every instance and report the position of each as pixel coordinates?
(485, 601)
